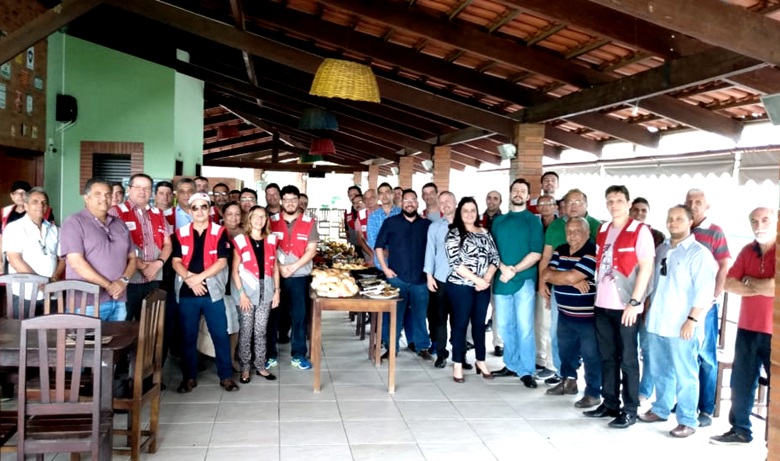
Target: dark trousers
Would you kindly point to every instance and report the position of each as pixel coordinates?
(190, 310)
(619, 356)
(439, 309)
(295, 290)
(751, 350)
(708, 362)
(272, 335)
(172, 338)
(38, 310)
(468, 304)
(577, 338)
(136, 292)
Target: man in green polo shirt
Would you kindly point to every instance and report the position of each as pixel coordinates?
(576, 203)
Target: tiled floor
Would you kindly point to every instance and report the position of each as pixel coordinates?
(428, 418)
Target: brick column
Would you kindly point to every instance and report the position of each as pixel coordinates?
(405, 172)
(529, 139)
(442, 156)
(373, 176)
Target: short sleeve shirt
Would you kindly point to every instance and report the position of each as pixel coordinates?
(606, 290)
(756, 311)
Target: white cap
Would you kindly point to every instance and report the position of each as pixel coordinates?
(200, 196)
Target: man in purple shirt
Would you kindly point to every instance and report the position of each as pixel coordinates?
(97, 249)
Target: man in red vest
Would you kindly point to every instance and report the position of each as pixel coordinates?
(149, 232)
(624, 262)
(200, 252)
(298, 237)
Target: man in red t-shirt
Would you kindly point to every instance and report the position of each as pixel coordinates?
(753, 278)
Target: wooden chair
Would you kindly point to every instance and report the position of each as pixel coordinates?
(69, 292)
(59, 421)
(725, 356)
(28, 284)
(147, 378)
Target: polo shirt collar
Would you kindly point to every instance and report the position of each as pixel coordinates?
(704, 224)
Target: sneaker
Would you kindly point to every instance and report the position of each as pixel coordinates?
(544, 373)
(300, 363)
(270, 363)
(554, 380)
(729, 438)
(705, 419)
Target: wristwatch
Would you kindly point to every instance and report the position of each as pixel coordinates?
(126, 280)
(634, 302)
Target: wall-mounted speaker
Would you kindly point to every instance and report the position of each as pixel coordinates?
(772, 106)
(67, 110)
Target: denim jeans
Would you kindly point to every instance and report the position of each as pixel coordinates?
(136, 292)
(38, 309)
(468, 304)
(515, 314)
(751, 350)
(577, 338)
(554, 346)
(294, 293)
(619, 349)
(414, 296)
(646, 384)
(708, 362)
(190, 310)
(675, 369)
(113, 311)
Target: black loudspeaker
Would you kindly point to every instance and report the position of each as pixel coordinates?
(67, 109)
(316, 174)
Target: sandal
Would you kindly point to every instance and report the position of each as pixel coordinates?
(245, 378)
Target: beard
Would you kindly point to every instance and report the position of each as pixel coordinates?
(518, 202)
(410, 214)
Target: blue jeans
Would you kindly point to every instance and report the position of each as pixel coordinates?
(190, 310)
(675, 368)
(554, 344)
(708, 362)
(577, 338)
(468, 304)
(751, 350)
(516, 326)
(294, 292)
(415, 298)
(646, 384)
(113, 311)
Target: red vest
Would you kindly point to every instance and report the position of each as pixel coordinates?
(7, 213)
(296, 242)
(214, 215)
(363, 220)
(348, 219)
(170, 216)
(624, 258)
(187, 241)
(248, 258)
(126, 214)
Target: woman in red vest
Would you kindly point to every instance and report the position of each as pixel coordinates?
(256, 288)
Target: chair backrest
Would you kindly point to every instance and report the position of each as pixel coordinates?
(59, 342)
(73, 297)
(28, 285)
(724, 322)
(148, 358)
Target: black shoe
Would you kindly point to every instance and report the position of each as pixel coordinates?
(467, 366)
(529, 381)
(246, 380)
(283, 339)
(412, 347)
(441, 362)
(425, 355)
(270, 376)
(601, 412)
(386, 355)
(489, 326)
(504, 372)
(187, 386)
(623, 420)
(498, 351)
(469, 346)
(553, 380)
(163, 386)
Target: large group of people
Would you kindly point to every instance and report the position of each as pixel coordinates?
(557, 287)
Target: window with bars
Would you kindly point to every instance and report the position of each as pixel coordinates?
(111, 167)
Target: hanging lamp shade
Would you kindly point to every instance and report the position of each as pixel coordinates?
(322, 146)
(309, 159)
(336, 78)
(315, 118)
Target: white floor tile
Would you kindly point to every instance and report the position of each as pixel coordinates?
(309, 411)
(384, 452)
(312, 433)
(316, 452)
(244, 434)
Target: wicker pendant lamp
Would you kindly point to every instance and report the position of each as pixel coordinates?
(336, 78)
(316, 118)
(322, 146)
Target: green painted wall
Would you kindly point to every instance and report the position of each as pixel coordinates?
(120, 99)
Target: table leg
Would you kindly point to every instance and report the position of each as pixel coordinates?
(316, 342)
(378, 340)
(372, 337)
(392, 341)
(107, 402)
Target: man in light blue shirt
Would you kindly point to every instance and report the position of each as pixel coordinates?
(185, 187)
(437, 269)
(377, 218)
(684, 281)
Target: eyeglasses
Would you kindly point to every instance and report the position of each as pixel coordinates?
(575, 202)
(409, 201)
(663, 267)
(246, 199)
(545, 204)
(199, 207)
(289, 200)
(219, 194)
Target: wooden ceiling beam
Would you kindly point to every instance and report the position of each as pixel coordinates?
(253, 138)
(291, 57)
(766, 80)
(728, 26)
(601, 21)
(210, 136)
(691, 115)
(19, 40)
(252, 148)
(572, 140)
(479, 154)
(294, 167)
(627, 132)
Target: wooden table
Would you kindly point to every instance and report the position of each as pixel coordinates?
(357, 304)
(124, 337)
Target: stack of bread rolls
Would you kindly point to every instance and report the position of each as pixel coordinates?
(333, 283)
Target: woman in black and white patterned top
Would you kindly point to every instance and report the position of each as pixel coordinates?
(473, 259)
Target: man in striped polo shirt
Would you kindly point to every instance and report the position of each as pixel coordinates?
(711, 236)
(572, 272)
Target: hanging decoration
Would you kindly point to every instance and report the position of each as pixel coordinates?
(337, 78)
